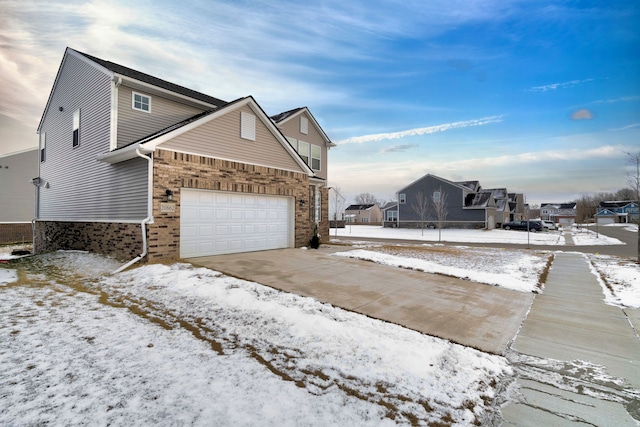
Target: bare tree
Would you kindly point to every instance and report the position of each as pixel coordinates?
(626, 194)
(440, 207)
(365, 199)
(421, 207)
(633, 178)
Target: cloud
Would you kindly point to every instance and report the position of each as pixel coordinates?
(398, 148)
(554, 86)
(421, 131)
(582, 114)
(632, 126)
(621, 99)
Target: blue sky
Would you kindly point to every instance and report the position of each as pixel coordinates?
(541, 97)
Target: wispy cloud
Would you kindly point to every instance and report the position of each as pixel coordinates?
(563, 85)
(632, 126)
(421, 131)
(398, 148)
(621, 99)
(582, 114)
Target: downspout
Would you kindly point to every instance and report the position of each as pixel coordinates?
(149, 217)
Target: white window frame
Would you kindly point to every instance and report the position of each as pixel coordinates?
(315, 158)
(76, 129)
(304, 147)
(304, 125)
(402, 198)
(43, 147)
(141, 102)
(247, 126)
(436, 197)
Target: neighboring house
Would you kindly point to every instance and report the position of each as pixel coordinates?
(467, 204)
(390, 214)
(559, 213)
(133, 165)
(363, 214)
(620, 211)
(17, 204)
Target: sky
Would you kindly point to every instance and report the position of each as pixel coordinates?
(540, 97)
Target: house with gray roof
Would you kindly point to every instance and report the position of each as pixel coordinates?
(135, 166)
(559, 213)
(467, 204)
(617, 211)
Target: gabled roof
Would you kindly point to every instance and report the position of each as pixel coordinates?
(360, 207)
(616, 204)
(455, 184)
(114, 69)
(559, 205)
(288, 115)
(498, 193)
(149, 143)
(471, 185)
(482, 199)
(389, 205)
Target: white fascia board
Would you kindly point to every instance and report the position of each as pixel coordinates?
(124, 154)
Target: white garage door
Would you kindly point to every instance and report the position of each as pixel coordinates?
(605, 220)
(214, 222)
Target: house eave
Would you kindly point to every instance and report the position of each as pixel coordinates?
(124, 154)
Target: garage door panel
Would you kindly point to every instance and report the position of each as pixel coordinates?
(222, 222)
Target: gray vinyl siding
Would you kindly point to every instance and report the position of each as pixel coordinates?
(134, 124)
(17, 194)
(220, 138)
(291, 129)
(455, 201)
(81, 188)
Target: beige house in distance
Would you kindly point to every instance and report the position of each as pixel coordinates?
(363, 214)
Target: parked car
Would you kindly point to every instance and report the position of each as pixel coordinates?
(550, 225)
(531, 225)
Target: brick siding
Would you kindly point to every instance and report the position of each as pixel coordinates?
(16, 233)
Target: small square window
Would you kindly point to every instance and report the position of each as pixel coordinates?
(141, 102)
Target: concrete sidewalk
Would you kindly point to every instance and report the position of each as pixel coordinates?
(481, 316)
(577, 358)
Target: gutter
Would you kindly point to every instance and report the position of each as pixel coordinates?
(149, 218)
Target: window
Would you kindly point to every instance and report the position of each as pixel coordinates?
(436, 197)
(141, 102)
(303, 150)
(304, 125)
(315, 157)
(247, 126)
(392, 215)
(364, 219)
(43, 146)
(76, 128)
(402, 198)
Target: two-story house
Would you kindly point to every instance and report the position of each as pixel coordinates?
(136, 166)
(463, 204)
(559, 213)
(617, 211)
(369, 213)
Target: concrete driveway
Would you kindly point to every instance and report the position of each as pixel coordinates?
(481, 316)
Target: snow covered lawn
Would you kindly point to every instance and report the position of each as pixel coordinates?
(513, 269)
(167, 345)
(555, 238)
(620, 279)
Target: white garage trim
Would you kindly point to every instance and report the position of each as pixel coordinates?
(222, 222)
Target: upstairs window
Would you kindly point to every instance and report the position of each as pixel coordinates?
(304, 125)
(303, 150)
(141, 102)
(247, 126)
(76, 128)
(436, 197)
(315, 157)
(402, 198)
(43, 146)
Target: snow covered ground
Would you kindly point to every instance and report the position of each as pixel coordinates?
(175, 344)
(169, 345)
(580, 236)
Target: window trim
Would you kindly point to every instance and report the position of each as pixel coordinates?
(402, 198)
(142, 96)
(308, 149)
(43, 147)
(304, 125)
(434, 198)
(76, 129)
(319, 158)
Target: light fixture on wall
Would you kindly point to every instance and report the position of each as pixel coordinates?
(302, 203)
(169, 195)
(61, 108)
